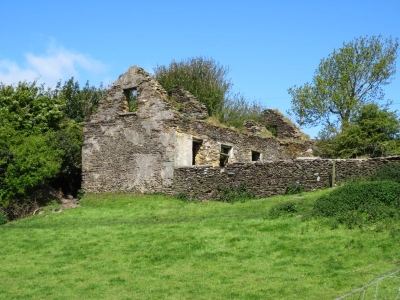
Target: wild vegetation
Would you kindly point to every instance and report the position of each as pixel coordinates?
(41, 138)
(208, 81)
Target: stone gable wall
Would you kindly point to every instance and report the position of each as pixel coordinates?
(285, 129)
(187, 104)
(271, 178)
(130, 151)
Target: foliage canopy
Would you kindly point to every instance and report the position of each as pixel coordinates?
(208, 81)
(349, 78)
(372, 131)
(41, 137)
(205, 78)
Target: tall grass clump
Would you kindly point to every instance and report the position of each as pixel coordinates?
(238, 109)
(233, 194)
(361, 203)
(283, 208)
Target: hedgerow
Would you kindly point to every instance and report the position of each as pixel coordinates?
(389, 171)
(358, 203)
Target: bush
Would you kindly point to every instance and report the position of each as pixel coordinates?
(80, 194)
(3, 218)
(390, 171)
(33, 161)
(234, 194)
(237, 109)
(283, 208)
(205, 78)
(360, 203)
(21, 209)
(292, 189)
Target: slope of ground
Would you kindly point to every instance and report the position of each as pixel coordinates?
(154, 247)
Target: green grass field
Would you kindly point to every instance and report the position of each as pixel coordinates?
(155, 247)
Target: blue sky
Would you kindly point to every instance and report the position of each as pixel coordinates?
(268, 46)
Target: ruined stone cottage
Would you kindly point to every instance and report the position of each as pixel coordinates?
(141, 135)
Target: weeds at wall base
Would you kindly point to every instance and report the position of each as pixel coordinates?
(185, 197)
(231, 194)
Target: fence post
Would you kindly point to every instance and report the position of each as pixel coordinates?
(333, 174)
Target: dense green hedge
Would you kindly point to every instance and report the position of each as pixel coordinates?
(364, 202)
(390, 171)
(41, 138)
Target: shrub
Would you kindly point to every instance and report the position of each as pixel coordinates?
(283, 208)
(21, 210)
(205, 78)
(182, 196)
(33, 161)
(390, 171)
(358, 203)
(80, 194)
(233, 194)
(3, 218)
(292, 189)
(237, 109)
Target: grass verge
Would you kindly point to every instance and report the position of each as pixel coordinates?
(155, 247)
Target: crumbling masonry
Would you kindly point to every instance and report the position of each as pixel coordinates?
(144, 140)
(139, 151)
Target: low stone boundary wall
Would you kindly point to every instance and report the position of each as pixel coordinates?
(273, 177)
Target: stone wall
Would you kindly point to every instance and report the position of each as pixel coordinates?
(137, 151)
(187, 104)
(130, 151)
(242, 143)
(284, 128)
(272, 177)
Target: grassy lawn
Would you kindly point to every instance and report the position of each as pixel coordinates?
(155, 247)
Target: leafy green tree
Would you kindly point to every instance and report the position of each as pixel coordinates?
(371, 132)
(30, 107)
(348, 79)
(79, 103)
(203, 77)
(41, 135)
(27, 162)
(69, 140)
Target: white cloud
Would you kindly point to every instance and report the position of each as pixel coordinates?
(57, 64)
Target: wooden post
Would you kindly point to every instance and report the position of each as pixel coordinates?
(333, 175)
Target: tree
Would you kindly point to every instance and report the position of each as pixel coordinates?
(41, 135)
(79, 103)
(27, 162)
(348, 79)
(372, 131)
(203, 77)
(30, 107)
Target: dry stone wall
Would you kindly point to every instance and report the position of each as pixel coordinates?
(272, 177)
(138, 151)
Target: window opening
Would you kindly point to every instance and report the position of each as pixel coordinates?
(224, 155)
(131, 96)
(255, 156)
(195, 150)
